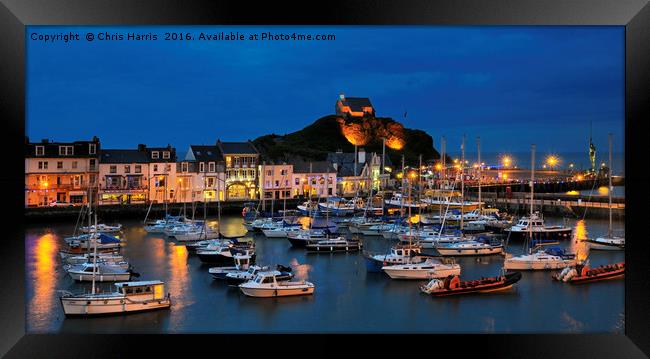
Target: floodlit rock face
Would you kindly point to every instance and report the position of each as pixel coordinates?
(361, 131)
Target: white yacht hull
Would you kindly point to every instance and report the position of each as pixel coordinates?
(114, 305)
(276, 292)
(469, 251)
(110, 277)
(400, 273)
(537, 265)
(606, 244)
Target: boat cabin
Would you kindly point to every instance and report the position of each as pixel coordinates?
(405, 250)
(143, 289)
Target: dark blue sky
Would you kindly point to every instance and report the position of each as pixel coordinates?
(513, 86)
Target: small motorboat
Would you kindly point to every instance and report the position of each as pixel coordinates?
(103, 272)
(87, 241)
(581, 273)
(534, 224)
(480, 247)
(222, 254)
(430, 268)
(234, 279)
(88, 257)
(267, 285)
(551, 258)
(129, 297)
(303, 237)
(102, 228)
(399, 254)
(281, 231)
(452, 285)
(607, 243)
(334, 245)
(242, 262)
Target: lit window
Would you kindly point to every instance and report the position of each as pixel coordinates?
(184, 167)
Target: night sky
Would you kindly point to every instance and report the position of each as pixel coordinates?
(512, 86)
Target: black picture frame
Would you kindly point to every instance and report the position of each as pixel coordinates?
(634, 15)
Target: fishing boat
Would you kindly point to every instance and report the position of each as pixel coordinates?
(430, 268)
(452, 285)
(267, 285)
(242, 262)
(582, 273)
(479, 247)
(334, 245)
(234, 279)
(129, 297)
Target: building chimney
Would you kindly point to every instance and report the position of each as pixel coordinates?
(141, 147)
(45, 140)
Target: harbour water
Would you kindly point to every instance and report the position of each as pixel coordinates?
(347, 298)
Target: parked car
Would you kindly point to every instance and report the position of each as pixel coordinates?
(60, 204)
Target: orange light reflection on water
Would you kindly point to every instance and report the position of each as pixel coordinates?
(178, 276)
(578, 246)
(43, 275)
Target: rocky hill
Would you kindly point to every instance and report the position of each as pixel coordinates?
(332, 133)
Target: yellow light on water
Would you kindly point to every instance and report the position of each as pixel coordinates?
(602, 190)
(415, 219)
(573, 193)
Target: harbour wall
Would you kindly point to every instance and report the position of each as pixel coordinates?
(139, 211)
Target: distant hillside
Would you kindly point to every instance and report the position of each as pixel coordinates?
(325, 135)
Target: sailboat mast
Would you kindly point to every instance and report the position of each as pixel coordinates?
(478, 145)
(401, 202)
(532, 191)
(609, 189)
(462, 185)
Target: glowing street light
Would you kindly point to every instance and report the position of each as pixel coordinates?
(506, 160)
(552, 161)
